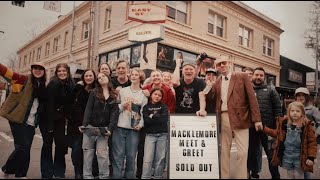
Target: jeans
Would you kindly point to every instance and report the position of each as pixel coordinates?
(125, 145)
(154, 151)
(19, 160)
(102, 155)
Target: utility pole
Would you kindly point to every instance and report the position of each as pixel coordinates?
(317, 54)
(90, 35)
(95, 35)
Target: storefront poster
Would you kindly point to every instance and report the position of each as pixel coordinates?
(164, 56)
(125, 54)
(112, 60)
(193, 147)
(136, 54)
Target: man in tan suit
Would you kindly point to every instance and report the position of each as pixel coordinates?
(237, 111)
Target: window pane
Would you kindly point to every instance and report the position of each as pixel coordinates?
(219, 21)
(181, 17)
(264, 50)
(270, 43)
(269, 52)
(210, 28)
(240, 31)
(246, 42)
(240, 40)
(246, 34)
(171, 12)
(211, 18)
(219, 32)
(181, 6)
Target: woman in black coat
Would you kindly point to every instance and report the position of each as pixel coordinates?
(60, 99)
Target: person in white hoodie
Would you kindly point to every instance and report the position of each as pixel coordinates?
(125, 138)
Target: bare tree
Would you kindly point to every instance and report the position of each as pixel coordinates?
(312, 35)
(13, 61)
(32, 30)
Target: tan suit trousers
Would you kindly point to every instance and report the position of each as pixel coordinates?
(242, 142)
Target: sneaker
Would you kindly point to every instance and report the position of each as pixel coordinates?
(3, 175)
(254, 176)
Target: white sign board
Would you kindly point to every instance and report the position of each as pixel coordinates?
(146, 32)
(52, 6)
(310, 78)
(193, 148)
(147, 13)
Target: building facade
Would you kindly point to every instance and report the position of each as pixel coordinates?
(228, 28)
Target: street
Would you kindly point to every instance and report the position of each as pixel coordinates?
(6, 147)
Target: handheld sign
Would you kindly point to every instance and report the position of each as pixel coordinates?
(193, 147)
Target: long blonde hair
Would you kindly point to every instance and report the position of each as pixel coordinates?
(301, 107)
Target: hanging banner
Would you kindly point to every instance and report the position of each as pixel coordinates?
(52, 6)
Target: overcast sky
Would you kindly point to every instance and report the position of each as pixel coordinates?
(18, 22)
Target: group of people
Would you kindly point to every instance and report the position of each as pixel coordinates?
(119, 126)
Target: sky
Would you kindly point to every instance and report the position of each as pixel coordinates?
(18, 24)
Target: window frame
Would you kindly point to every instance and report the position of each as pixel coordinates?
(265, 46)
(55, 47)
(242, 37)
(39, 53)
(215, 25)
(85, 29)
(107, 18)
(47, 50)
(175, 18)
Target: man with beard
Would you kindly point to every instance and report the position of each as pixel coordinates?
(270, 108)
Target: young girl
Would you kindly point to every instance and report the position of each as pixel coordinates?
(101, 111)
(156, 116)
(296, 146)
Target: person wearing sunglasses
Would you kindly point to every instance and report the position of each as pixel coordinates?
(237, 110)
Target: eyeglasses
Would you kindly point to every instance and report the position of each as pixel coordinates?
(220, 63)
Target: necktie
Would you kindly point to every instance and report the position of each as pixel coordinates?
(226, 78)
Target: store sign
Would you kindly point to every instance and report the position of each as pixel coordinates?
(52, 6)
(146, 33)
(193, 147)
(295, 76)
(310, 78)
(147, 13)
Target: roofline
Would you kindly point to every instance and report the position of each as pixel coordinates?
(54, 24)
(257, 13)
